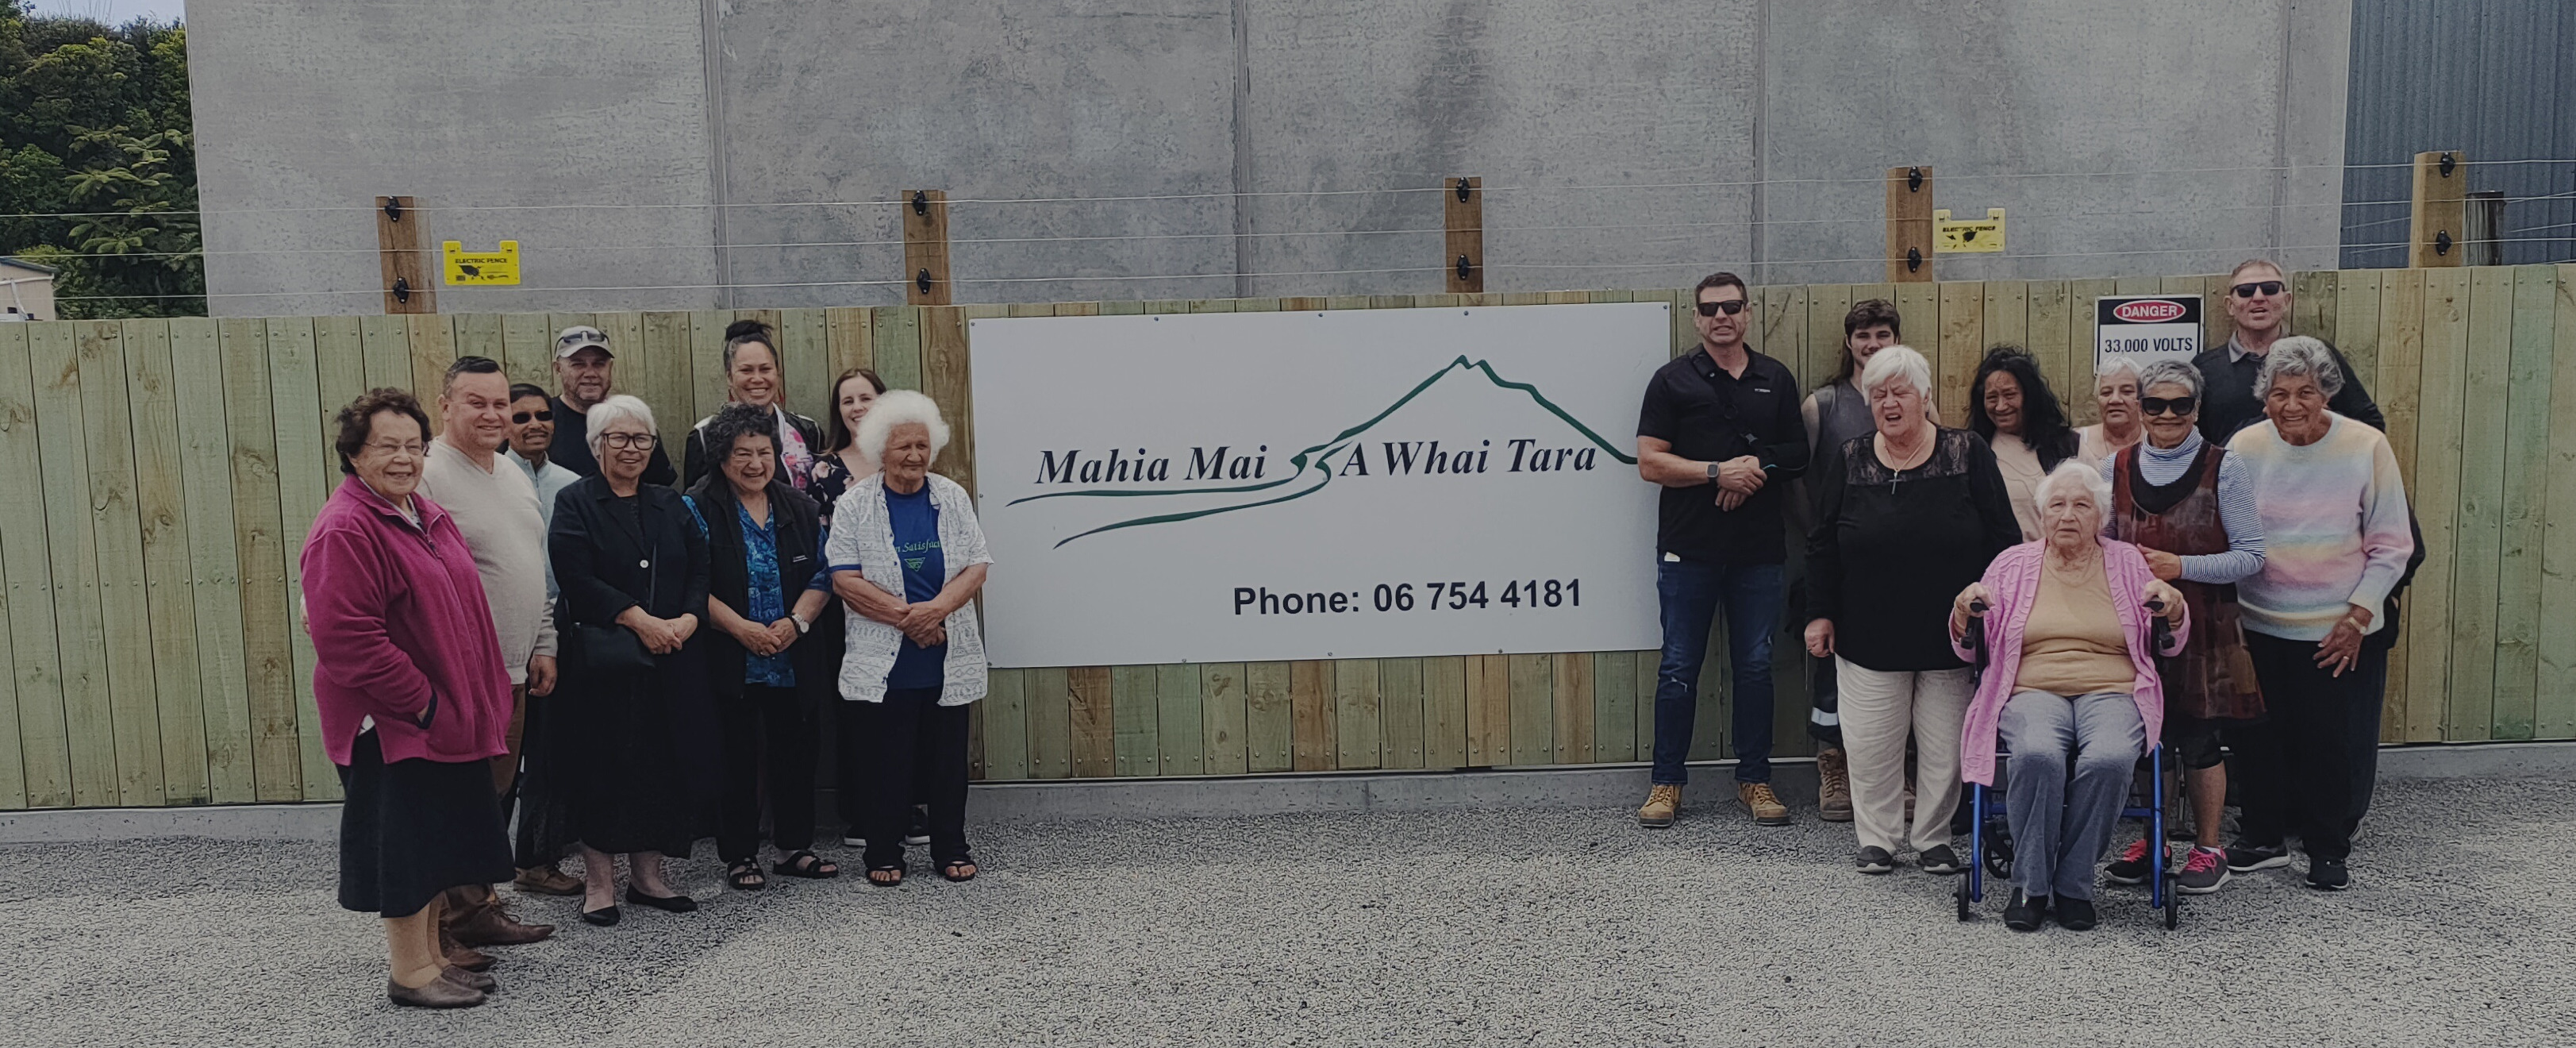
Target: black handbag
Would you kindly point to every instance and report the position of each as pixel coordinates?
(614, 650)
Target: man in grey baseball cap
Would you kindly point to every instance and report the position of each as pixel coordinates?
(584, 374)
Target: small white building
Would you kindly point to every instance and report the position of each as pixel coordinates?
(26, 290)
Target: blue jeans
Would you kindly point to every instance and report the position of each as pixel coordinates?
(1690, 594)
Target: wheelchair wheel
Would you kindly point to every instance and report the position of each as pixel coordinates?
(2173, 904)
(1962, 892)
(1999, 853)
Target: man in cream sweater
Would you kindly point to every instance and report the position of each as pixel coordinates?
(495, 505)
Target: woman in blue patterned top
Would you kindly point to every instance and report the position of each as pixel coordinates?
(767, 664)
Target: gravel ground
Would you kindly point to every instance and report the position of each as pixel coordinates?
(1522, 926)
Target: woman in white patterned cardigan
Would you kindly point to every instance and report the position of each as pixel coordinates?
(907, 558)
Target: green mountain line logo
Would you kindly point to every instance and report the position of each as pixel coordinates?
(1311, 469)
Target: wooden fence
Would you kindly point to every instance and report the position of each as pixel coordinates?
(156, 478)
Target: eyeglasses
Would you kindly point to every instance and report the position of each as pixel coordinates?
(645, 441)
(2252, 288)
(412, 448)
(2168, 405)
(521, 418)
(1730, 307)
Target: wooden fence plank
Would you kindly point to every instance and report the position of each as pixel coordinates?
(1963, 344)
(258, 542)
(1573, 741)
(1356, 737)
(1919, 306)
(1614, 706)
(1050, 711)
(1135, 707)
(1532, 683)
(2526, 493)
(339, 364)
(849, 333)
(477, 335)
(1269, 717)
(2007, 315)
(1474, 679)
(2312, 303)
(53, 353)
(528, 342)
(2554, 716)
(295, 398)
(1180, 725)
(1400, 711)
(1006, 726)
(2357, 319)
(2399, 391)
(214, 563)
(805, 361)
(1827, 304)
(1779, 327)
(661, 377)
(1444, 711)
(432, 341)
(117, 523)
(896, 343)
(2050, 313)
(1222, 721)
(1310, 703)
(946, 377)
(709, 387)
(2438, 433)
(385, 343)
(36, 723)
(2471, 709)
(2081, 306)
(1094, 727)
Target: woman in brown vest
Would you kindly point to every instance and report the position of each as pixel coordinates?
(2190, 507)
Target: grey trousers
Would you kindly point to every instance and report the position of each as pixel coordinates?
(2061, 820)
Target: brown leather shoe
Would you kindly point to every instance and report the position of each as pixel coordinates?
(1764, 804)
(1663, 804)
(1833, 786)
(547, 880)
(440, 993)
(490, 925)
(475, 981)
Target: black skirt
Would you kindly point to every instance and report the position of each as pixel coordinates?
(631, 764)
(414, 828)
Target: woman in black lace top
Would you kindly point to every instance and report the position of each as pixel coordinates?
(842, 461)
(1909, 515)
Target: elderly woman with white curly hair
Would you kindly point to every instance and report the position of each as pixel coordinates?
(907, 558)
(1907, 514)
(2070, 680)
(2336, 541)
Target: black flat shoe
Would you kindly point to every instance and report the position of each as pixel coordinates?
(2026, 912)
(666, 904)
(604, 918)
(2075, 915)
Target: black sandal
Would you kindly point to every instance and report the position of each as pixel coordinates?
(896, 870)
(804, 863)
(949, 868)
(745, 876)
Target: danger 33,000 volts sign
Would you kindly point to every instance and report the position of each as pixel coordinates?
(2144, 328)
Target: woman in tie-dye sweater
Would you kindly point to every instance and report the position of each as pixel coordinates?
(2336, 542)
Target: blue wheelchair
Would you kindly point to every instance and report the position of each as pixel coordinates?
(1990, 845)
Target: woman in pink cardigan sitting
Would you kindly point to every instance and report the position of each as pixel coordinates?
(2069, 678)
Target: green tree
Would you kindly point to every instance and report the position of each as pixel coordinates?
(98, 172)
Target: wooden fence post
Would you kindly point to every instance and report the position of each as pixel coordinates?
(408, 287)
(1909, 225)
(925, 247)
(2434, 236)
(1463, 205)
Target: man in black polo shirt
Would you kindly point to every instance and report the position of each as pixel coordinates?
(1721, 433)
(2258, 307)
(584, 370)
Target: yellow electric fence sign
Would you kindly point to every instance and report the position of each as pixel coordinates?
(482, 268)
(1980, 235)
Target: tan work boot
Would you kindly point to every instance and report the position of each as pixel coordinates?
(1662, 804)
(1764, 804)
(1833, 786)
(547, 880)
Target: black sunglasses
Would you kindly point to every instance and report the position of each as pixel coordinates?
(2168, 405)
(1730, 307)
(2252, 287)
(522, 418)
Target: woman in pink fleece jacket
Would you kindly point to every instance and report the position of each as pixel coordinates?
(2070, 673)
(413, 695)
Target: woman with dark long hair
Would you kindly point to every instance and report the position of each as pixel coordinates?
(2010, 405)
(841, 462)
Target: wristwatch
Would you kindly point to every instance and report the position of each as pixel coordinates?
(1712, 471)
(801, 624)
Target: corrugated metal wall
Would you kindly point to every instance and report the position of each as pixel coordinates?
(2487, 77)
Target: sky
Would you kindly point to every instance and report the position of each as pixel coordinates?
(115, 12)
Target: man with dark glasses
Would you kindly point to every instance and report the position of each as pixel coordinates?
(584, 372)
(1721, 433)
(532, 438)
(2258, 303)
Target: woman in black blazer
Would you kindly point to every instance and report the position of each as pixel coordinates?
(631, 732)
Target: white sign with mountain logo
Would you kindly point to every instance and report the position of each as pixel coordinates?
(1229, 487)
